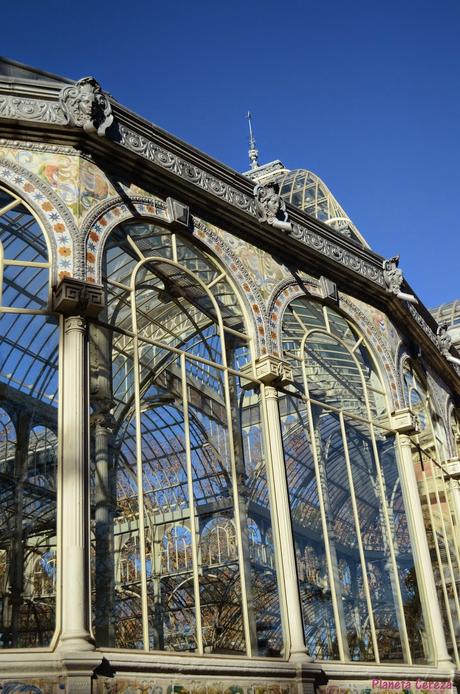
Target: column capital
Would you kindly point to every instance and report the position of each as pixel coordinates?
(270, 370)
(74, 297)
(404, 421)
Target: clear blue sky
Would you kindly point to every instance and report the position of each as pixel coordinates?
(365, 93)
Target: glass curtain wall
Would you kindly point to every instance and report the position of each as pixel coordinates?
(430, 454)
(182, 543)
(354, 560)
(28, 431)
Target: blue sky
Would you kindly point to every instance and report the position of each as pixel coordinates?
(365, 93)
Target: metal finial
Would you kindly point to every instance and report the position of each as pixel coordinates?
(253, 151)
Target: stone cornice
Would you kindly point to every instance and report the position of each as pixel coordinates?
(223, 195)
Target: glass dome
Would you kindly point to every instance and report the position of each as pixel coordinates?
(307, 191)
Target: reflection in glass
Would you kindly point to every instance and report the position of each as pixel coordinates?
(355, 568)
(182, 540)
(28, 432)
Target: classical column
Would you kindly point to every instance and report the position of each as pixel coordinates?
(272, 372)
(75, 300)
(404, 423)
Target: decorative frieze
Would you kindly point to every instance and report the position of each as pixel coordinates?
(167, 160)
(31, 109)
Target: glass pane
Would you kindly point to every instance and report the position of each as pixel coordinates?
(312, 571)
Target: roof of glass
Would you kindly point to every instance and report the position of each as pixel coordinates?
(13, 69)
(447, 313)
(308, 192)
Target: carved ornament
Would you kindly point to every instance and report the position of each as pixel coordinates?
(444, 339)
(393, 277)
(76, 298)
(86, 106)
(270, 206)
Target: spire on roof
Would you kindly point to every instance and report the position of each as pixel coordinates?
(253, 151)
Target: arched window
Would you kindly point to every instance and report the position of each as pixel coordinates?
(346, 502)
(181, 464)
(430, 454)
(29, 390)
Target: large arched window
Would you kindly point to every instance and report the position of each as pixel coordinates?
(28, 429)
(430, 455)
(177, 458)
(355, 566)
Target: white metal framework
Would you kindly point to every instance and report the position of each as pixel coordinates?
(230, 510)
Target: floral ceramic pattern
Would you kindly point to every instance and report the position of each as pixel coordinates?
(48, 212)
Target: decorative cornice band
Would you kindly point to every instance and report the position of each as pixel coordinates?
(167, 160)
(31, 109)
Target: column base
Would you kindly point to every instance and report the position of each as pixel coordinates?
(76, 643)
(300, 656)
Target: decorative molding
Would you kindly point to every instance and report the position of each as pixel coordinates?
(193, 174)
(31, 109)
(43, 147)
(74, 324)
(453, 468)
(85, 105)
(340, 254)
(75, 298)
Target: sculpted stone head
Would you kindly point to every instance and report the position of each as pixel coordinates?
(86, 106)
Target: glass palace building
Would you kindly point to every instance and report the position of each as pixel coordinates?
(229, 441)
